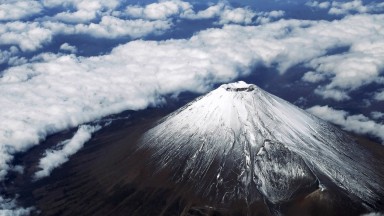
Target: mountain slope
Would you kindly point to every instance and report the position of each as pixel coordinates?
(240, 142)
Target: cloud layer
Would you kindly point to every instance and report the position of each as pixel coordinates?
(107, 19)
(101, 19)
(55, 91)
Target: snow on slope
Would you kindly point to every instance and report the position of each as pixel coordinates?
(273, 147)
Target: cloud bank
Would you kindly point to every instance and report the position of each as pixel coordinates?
(55, 158)
(107, 19)
(54, 92)
(104, 19)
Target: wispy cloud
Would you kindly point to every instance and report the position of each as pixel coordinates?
(377, 115)
(99, 19)
(8, 207)
(379, 95)
(55, 158)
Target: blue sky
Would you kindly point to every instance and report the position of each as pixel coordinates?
(68, 63)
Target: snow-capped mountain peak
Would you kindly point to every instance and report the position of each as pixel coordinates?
(240, 142)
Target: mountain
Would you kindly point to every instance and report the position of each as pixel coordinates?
(236, 151)
(241, 143)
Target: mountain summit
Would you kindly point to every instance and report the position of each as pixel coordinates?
(239, 142)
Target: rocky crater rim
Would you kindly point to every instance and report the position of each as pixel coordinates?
(239, 86)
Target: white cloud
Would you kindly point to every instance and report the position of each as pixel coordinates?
(67, 47)
(379, 96)
(359, 124)
(81, 16)
(353, 69)
(19, 9)
(222, 11)
(313, 77)
(355, 6)
(85, 10)
(160, 11)
(237, 16)
(342, 8)
(152, 19)
(316, 4)
(55, 158)
(377, 115)
(324, 5)
(275, 13)
(31, 36)
(335, 94)
(5, 55)
(16, 60)
(28, 36)
(361, 65)
(111, 27)
(8, 207)
(226, 14)
(82, 4)
(373, 214)
(266, 17)
(11, 57)
(209, 13)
